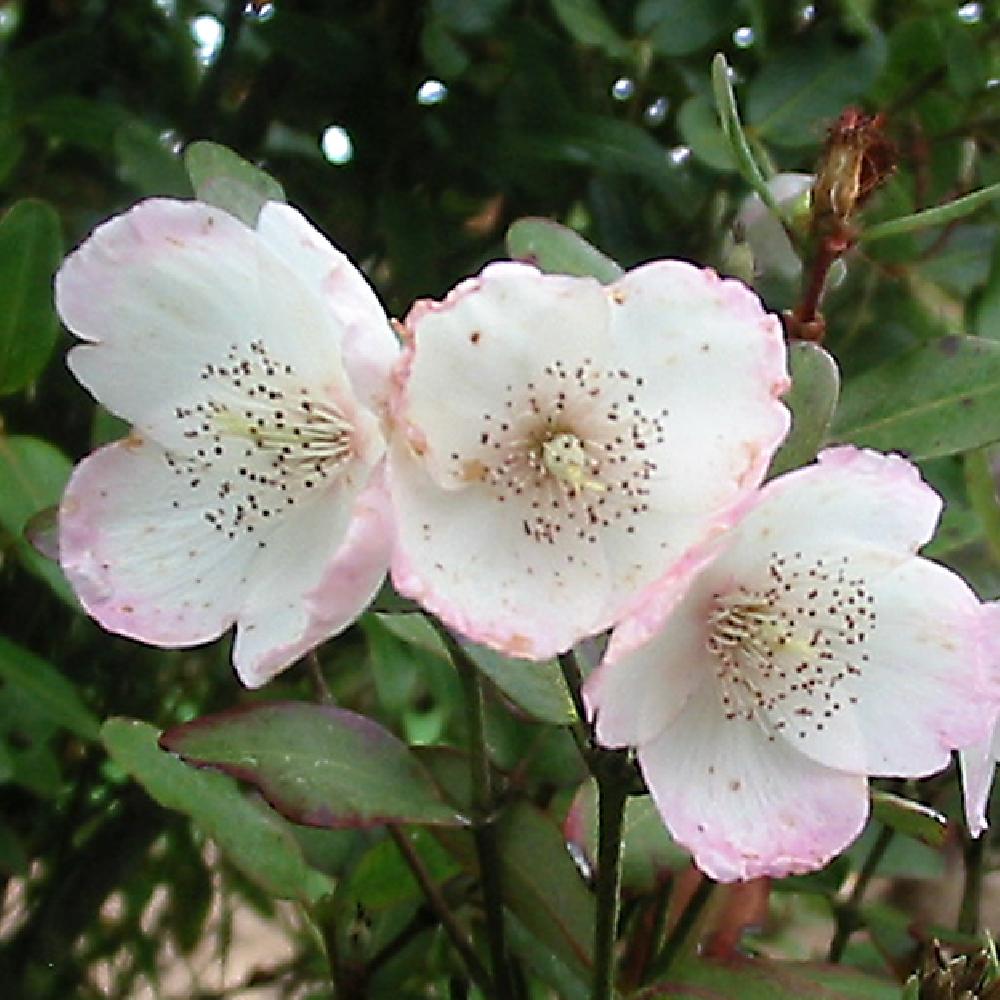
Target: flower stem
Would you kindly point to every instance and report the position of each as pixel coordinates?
(682, 929)
(573, 676)
(484, 831)
(972, 889)
(440, 908)
(612, 792)
(847, 915)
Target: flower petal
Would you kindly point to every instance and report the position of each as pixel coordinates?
(849, 496)
(164, 574)
(185, 291)
(490, 332)
(702, 338)
(141, 566)
(483, 580)
(368, 345)
(324, 585)
(640, 686)
(744, 805)
(977, 766)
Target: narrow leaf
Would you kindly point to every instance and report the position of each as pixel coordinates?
(222, 178)
(48, 689)
(913, 819)
(729, 117)
(941, 398)
(317, 765)
(30, 252)
(255, 839)
(557, 250)
(939, 215)
(812, 400)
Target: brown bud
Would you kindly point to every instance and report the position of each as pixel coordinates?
(857, 158)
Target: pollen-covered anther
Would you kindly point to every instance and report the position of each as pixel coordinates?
(266, 432)
(577, 445)
(785, 652)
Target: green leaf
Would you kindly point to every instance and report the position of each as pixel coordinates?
(589, 25)
(700, 129)
(33, 475)
(556, 249)
(51, 692)
(541, 884)
(569, 984)
(679, 27)
(146, 165)
(543, 887)
(79, 121)
(648, 852)
(30, 252)
(986, 321)
(812, 400)
(939, 215)
(941, 398)
(732, 128)
(538, 688)
(317, 765)
(222, 178)
(799, 90)
(913, 819)
(13, 858)
(382, 878)
(256, 840)
(763, 979)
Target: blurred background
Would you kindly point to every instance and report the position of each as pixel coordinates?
(412, 134)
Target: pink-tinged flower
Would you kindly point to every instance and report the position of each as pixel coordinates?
(805, 649)
(254, 366)
(562, 443)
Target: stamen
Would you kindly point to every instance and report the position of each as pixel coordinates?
(789, 653)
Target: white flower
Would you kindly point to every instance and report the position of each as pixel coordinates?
(254, 366)
(778, 667)
(560, 443)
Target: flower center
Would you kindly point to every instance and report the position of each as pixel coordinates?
(789, 653)
(573, 449)
(564, 457)
(259, 442)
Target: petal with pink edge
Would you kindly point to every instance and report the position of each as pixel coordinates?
(184, 305)
(977, 765)
(325, 579)
(744, 805)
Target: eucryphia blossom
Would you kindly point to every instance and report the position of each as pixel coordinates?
(560, 443)
(254, 366)
(807, 648)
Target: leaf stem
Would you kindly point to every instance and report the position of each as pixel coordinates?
(682, 929)
(440, 907)
(612, 792)
(847, 915)
(484, 831)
